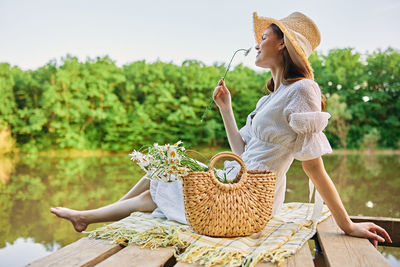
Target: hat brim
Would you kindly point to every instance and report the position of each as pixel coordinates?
(262, 23)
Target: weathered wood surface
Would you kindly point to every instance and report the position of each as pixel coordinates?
(391, 225)
(134, 255)
(84, 252)
(342, 250)
(338, 249)
(302, 258)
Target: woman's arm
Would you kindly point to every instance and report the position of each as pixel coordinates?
(222, 98)
(235, 139)
(315, 170)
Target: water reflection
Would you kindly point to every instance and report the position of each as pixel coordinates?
(11, 254)
(6, 168)
(359, 179)
(31, 185)
(38, 183)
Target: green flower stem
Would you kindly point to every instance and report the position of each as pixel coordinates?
(223, 77)
(229, 65)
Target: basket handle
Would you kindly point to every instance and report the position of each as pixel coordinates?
(226, 154)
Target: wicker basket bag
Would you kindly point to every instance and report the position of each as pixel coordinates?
(217, 209)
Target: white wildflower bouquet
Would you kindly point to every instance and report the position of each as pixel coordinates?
(166, 162)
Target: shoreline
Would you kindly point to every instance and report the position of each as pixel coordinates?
(203, 150)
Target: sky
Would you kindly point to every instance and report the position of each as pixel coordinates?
(34, 32)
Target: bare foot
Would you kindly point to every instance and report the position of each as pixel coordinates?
(77, 220)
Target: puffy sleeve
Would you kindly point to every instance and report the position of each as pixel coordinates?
(311, 142)
(305, 118)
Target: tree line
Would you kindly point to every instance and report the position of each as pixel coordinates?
(97, 105)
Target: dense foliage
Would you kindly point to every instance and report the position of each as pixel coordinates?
(98, 105)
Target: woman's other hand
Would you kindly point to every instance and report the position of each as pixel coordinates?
(222, 96)
(369, 230)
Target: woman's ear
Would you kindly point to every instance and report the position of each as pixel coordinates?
(282, 45)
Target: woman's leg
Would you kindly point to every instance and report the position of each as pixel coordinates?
(140, 187)
(112, 212)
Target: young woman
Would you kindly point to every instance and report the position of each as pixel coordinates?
(287, 124)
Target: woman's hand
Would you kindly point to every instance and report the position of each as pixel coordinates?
(222, 96)
(368, 230)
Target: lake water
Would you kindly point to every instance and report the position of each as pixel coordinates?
(369, 185)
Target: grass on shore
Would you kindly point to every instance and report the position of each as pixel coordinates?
(203, 150)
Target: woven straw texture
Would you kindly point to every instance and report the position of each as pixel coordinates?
(217, 209)
(295, 22)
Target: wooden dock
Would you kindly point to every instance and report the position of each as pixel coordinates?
(335, 249)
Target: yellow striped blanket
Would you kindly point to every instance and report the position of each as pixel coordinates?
(284, 234)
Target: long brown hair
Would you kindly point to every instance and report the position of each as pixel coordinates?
(291, 72)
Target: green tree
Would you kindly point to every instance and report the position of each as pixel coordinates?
(96, 105)
(340, 117)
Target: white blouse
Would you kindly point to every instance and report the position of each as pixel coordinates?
(285, 125)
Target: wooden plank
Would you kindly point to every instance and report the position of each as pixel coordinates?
(84, 252)
(302, 258)
(391, 225)
(343, 250)
(133, 255)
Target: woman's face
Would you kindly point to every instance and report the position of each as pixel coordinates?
(269, 50)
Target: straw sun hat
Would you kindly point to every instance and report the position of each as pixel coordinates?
(301, 36)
